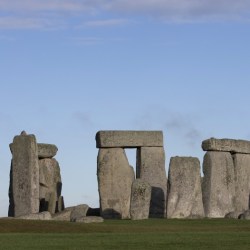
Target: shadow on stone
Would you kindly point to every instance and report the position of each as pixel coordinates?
(44, 205)
(11, 201)
(157, 203)
(93, 212)
(110, 214)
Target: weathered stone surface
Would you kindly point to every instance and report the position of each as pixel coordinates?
(242, 181)
(184, 194)
(90, 219)
(245, 215)
(140, 200)
(79, 212)
(226, 145)
(46, 150)
(62, 216)
(37, 216)
(24, 176)
(151, 168)
(233, 215)
(115, 178)
(129, 139)
(50, 185)
(60, 204)
(218, 187)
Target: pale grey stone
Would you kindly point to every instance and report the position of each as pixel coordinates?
(115, 178)
(36, 216)
(90, 219)
(151, 168)
(184, 194)
(226, 145)
(140, 200)
(233, 215)
(245, 215)
(24, 176)
(129, 139)
(218, 187)
(79, 212)
(50, 185)
(62, 216)
(46, 150)
(242, 181)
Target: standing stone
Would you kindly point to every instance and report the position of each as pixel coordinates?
(218, 187)
(184, 194)
(115, 178)
(140, 200)
(50, 185)
(242, 181)
(151, 168)
(24, 176)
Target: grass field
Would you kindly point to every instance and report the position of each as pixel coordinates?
(117, 234)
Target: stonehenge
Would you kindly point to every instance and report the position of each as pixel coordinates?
(127, 193)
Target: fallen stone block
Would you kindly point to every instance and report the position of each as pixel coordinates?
(78, 212)
(36, 216)
(90, 219)
(233, 215)
(151, 169)
(62, 216)
(115, 178)
(184, 194)
(218, 187)
(226, 145)
(129, 139)
(245, 215)
(140, 200)
(46, 150)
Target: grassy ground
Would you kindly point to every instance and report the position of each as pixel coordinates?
(116, 234)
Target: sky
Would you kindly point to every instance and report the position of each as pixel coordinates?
(69, 68)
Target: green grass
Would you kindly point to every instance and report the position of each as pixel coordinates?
(116, 234)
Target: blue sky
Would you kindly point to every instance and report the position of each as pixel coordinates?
(71, 68)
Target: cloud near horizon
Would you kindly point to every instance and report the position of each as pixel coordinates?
(47, 13)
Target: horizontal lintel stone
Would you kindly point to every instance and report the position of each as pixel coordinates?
(46, 150)
(226, 145)
(129, 139)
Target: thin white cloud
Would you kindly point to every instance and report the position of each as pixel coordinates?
(107, 22)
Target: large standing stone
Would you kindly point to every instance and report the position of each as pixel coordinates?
(218, 187)
(140, 200)
(129, 139)
(50, 185)
(24, 176)
(46, 150)
(115, 178)
(242, 181)
(226, 145)
(151, 168)
(184, 194)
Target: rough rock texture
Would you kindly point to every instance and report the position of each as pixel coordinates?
(24, 176)
(129, 139)
(115, 178)
(50, 185)
(151, 168)
(233, 215)
(62, 216)
(242, 181)
(218, 187)
(36, 216)
(245, 215)
(184, 193)
(79, 212)
(140, 200)
(60, 202)
(46, 150)
(226, 145)
(90, 219)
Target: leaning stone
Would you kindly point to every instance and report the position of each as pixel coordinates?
(62, 216)
(233, 215)
(115, 178)
(184, 194)
(90, 219)
(24, 176)
(242, 181)
(140, 200)
(36, 216)
(78, 212)
(129, 139)
(226, 145)
(218, 187)
(46, 150)
(151, 168)
(245, 215)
